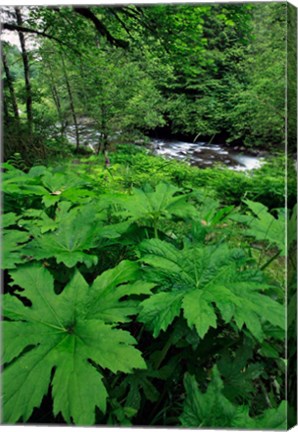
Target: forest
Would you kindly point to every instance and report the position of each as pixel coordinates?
(149, 215)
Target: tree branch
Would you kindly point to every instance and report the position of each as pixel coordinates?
(14, 27)
(86, 13)
(122, 23)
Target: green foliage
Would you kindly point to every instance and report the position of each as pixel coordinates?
(17, 161)
(197, 277)
(264, 226)
(127, 278)
(71, 237)
(13, 241)
(149, 207)
(65, 332)
(223, 75)
(43, 186)
(210, 408)
(239, 372)
(88, 279)
(213, 409)
(256, 106)
(266, 185)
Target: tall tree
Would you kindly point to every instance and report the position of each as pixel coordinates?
(10, 85)
(25, 58)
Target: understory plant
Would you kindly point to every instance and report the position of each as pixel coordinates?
(148, 306)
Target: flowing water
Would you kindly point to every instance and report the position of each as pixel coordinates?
(205, 155)
(199, 154)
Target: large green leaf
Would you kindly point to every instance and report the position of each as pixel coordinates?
(263, 226)
(239, 372)
(199, 312)
(148, 207)
(8, 219)
(209, 409)
(51, 186)
(63, 186)
(160, 310)
(198, 277)
(71, 235)
(13, 242)
(18, 183)
(75, 232)
(213, 410)
(61, 334)
(271, 419)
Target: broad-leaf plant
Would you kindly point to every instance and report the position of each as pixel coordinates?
(147, 303)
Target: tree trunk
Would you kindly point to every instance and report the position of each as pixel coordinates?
(71, 102)
(26, 70)
(5, 112)
(85, 99)
(56, 97)
(58, 107)
(11, 88)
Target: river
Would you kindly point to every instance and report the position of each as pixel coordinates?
(199, 154)
(205, 155)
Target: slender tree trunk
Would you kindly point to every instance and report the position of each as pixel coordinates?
(25, 58)
(58, 107)
(71, 101)
(5, 112)
(84, 72)
(56, 97)
(10, 87)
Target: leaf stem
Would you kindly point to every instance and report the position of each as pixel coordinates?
(267, 263)
(164, 351)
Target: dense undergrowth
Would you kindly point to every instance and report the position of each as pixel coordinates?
(145, 293)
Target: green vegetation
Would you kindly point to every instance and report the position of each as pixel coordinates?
(196, 70)
(140, 290)
(170, 270)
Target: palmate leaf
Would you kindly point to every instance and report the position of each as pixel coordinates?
(135, 384)
(213, 410)
(199, 312)
(160, 310)
(37, 221)
(13, 248)
(209, 409)
(265, 227)
(16, 182)
(13, 242)
(63, 333)
(271, 419)
(71, 234)
(64, 186)
(198, 277)
(238, 372)
(149, 206)
(74, 232)
(8, 219)
(50, 186)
